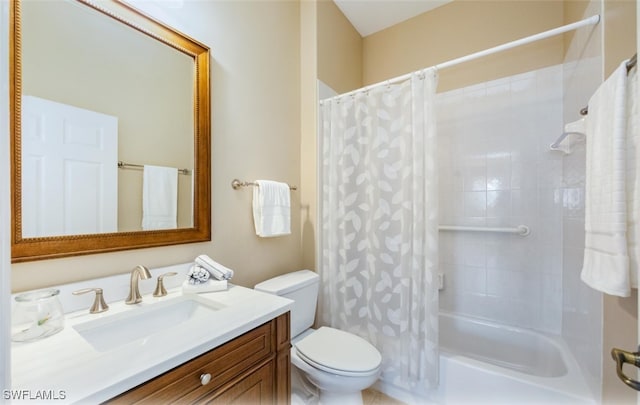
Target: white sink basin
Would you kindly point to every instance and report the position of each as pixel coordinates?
(112, 331)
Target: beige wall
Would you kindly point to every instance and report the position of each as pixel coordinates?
(575, 10)
(461, 28)
(339, 49)
(75, 55)
(255, 68)
(620, 315)
(620, 327)
(619, 33)
(308, 130)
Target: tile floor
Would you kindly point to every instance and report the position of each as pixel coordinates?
(373, 397)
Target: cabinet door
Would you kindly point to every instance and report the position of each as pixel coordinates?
(283, 360)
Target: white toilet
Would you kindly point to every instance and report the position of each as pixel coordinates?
(338, 363)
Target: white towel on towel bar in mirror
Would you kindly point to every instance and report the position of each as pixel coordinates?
(159, 198)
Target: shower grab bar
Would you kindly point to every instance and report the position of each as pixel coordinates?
(521, 230)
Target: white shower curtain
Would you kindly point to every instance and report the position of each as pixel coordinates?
(379, 235)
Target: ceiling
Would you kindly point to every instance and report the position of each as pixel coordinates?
(370, 16)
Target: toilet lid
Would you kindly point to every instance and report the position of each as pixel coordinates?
(339, 352)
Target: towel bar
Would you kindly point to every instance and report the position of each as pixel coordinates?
(123, 165)
(236, 184)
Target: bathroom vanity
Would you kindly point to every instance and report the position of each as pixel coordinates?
(221, 346)
(252, 368)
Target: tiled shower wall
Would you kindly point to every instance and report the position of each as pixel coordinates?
(496, 170)
(582, 306)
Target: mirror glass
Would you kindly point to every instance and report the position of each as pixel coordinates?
(111, 129)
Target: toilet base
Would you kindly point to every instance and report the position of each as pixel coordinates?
(302, 391)
(340, 398)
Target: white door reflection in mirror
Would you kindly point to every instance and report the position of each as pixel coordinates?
(69, 170)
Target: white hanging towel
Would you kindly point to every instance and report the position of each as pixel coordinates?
(159, 198)
(271, 208)
(633, 177)
(606, 261)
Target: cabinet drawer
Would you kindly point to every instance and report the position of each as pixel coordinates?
(255, 387)
(222, 364)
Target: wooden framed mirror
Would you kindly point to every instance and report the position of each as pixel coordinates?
(98, 92)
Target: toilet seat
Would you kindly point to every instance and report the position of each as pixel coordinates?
(338, 352)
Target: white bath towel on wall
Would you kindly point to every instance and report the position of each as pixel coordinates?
(606, 262)
(272, 208)
(159, 198)
(633, 177)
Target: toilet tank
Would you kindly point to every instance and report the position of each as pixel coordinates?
(301, 287)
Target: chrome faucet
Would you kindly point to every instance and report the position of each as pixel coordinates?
(98, 302)
(139, 272)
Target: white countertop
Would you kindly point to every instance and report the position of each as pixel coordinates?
(68, 368)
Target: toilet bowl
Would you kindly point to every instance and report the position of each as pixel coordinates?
(337, 363)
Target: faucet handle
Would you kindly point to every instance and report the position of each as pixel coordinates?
(160, 290)
(98, 303)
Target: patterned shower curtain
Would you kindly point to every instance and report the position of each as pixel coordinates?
(379, 232)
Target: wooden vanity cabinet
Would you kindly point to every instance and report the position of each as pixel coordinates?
(253, 368)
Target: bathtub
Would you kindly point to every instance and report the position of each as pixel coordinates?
(523, 351)
(487, 363)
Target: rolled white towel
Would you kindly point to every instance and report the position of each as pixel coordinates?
(197, 275)
(217, 270)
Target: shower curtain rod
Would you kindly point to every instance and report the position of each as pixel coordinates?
(593, 20)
